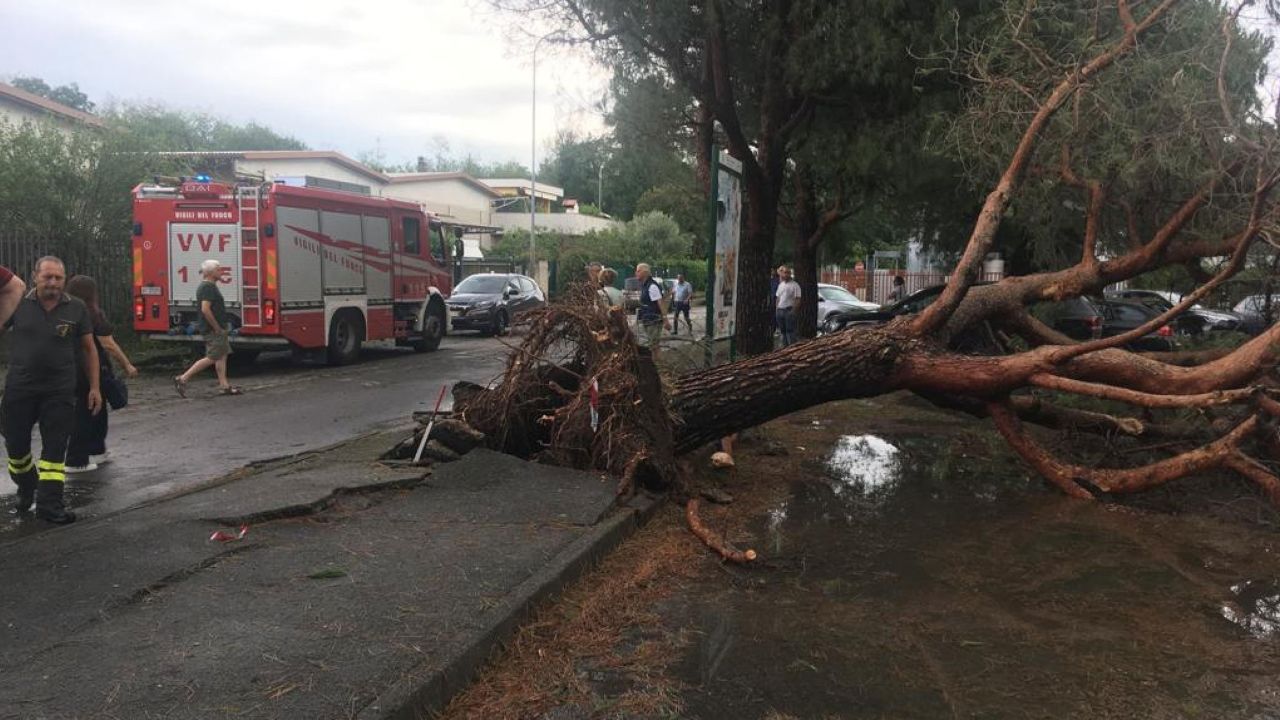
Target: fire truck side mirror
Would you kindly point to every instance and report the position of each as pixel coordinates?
(459, 249)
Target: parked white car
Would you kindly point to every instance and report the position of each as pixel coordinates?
(833, 300)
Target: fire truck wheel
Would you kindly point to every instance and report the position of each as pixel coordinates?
(432, 331)
(345, 334)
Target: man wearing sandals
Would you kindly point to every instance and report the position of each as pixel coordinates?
(213, 325)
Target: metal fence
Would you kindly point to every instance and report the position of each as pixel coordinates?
(875, 287)
(110, 266)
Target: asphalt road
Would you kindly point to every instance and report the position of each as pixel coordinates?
(162, 444)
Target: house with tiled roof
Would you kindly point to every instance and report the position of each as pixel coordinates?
(18, 106)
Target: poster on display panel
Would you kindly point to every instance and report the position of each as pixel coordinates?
(728, 229)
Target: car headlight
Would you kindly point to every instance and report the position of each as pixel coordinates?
(485, 305)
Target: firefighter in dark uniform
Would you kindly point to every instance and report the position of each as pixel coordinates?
(49, 329)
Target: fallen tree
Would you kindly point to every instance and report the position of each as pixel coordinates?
(579, 392)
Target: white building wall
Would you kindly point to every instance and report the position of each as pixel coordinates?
(16, 114)
(315, 167)
(453, 198)
(555, 222)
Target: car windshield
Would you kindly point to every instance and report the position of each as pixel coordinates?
(482, 285)
(837, 294)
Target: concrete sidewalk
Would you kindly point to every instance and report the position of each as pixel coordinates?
(358, 591)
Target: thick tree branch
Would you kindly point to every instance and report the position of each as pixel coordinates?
(1141, 399)
(1067, 477)
(980, 240)
(722, 96)
(1227, 271)
(1253, 470)
(1124, 369)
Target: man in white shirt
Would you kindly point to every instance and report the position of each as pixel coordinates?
(651, 316)
(788, 295)
(682, 296)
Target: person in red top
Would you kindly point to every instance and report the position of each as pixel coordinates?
(11, 291)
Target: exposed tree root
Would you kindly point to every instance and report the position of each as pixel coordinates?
(577, 356)
(712, 539)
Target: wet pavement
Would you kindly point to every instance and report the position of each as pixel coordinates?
(163, 445)
(927, 575)
(356, 591)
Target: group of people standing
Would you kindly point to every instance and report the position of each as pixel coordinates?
(651, 313)
(58, 356)
(61, 349)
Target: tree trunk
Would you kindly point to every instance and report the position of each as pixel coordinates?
(806, 273)
(722, 400)
(806, 253)
(754, 332)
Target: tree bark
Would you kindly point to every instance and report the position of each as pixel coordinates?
(806, 252)
(710, 404)
(754, 328)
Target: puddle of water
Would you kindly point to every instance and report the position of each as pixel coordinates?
(80, 492)
(1255, 607)
(924, 576)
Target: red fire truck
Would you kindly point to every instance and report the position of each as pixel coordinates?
(305, 268)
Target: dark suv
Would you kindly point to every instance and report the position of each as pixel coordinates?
(1084, 318)
(490, 302)
(1195, 320)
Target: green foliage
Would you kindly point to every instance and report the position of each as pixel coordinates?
(651, 235)
(1150, 128)
(574, 165)
(648, 236)
(68, 194)
(69, 95)
(684, 202)
(157, 128)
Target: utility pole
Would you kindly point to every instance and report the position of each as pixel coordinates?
(600, 185)
(533, 162)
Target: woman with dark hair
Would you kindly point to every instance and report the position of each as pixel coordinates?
(88, 447)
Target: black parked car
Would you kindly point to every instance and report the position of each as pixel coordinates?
(909, 305)
(975, 341)
(490, 302)
(1084, 318)
(1195, 320)
(1078, 318)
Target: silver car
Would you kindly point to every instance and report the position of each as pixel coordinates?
(833, 300)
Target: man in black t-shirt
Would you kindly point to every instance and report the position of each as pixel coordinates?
(213, 325)
(48, 327)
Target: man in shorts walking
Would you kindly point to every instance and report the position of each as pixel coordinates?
(213, 325)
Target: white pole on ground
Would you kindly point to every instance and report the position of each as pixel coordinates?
(426, 433)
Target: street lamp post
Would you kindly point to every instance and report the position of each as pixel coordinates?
(533, 160)
(600, 185)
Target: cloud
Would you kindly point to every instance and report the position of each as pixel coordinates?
(349, 76)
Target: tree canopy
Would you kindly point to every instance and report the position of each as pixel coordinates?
(69, 94)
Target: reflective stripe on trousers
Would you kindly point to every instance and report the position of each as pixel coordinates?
(17, 466)
(52, 471)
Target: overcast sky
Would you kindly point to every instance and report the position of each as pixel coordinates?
(349, 76)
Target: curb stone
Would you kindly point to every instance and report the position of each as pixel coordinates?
(427, 689)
